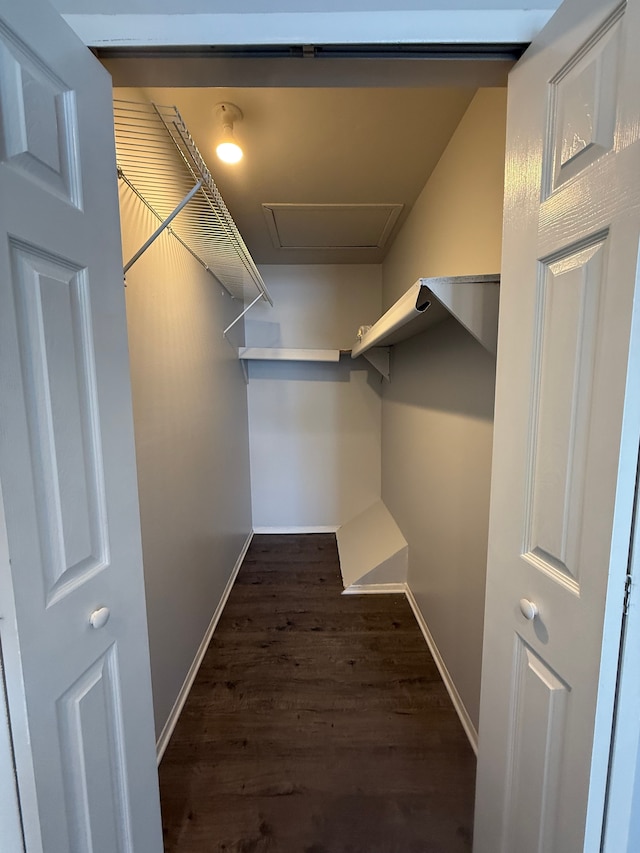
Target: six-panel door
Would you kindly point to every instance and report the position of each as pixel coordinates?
(87, 775)
(566, 438)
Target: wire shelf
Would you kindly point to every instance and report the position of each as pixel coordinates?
(159, 161)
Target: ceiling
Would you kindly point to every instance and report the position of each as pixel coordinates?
(328, 175)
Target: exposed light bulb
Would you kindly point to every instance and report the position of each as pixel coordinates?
(229, 152)
(228, 149)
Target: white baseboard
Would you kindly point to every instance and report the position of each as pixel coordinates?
(330, 528)
(385, 588)
(354, 589)
(458, 704)
(169, 726)
(375, 589)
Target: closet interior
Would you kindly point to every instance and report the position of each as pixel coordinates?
(330, 387)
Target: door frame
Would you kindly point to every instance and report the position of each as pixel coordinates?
(426, 24)
(10, 815)
(621, 833)
(612, 739)
(16, 768)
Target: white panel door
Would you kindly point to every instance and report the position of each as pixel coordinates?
(85, 760)
(566, 433)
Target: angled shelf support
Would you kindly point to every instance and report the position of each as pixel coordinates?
(380, 358)
(241, 315)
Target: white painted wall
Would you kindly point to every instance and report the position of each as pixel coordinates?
(438, 410)
(314, 428)
(190, 414)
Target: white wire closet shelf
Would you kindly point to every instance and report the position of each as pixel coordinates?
(159, 161)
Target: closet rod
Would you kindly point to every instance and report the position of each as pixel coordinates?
(164, 224)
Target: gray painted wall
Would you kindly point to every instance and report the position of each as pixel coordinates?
(438, 409)
(314, 428)
(190, 414)
(437, 428)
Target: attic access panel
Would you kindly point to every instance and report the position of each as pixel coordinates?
(330, 226)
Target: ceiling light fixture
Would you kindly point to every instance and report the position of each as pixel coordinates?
(228, 149)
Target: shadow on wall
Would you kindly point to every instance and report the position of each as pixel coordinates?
(309, 371)
(444, 369)
(297, 371)
(321, 371)
(437, 434)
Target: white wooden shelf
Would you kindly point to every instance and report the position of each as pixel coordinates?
(287, 354)
(472, 300)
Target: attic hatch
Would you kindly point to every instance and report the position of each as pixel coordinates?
(330, 226)
(472, 300)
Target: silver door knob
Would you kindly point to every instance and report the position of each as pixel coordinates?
(528, 609)
(99, 617)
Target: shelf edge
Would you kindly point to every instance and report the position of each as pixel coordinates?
(288, 354)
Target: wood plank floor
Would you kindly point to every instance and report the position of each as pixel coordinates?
(318, 722)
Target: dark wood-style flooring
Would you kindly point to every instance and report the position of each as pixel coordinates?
(318, 723)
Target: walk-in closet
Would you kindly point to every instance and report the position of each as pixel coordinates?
(373, 217)
(259, 526)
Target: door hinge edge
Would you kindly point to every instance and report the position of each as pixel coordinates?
(627, 594)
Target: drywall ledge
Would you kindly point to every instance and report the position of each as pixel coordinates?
(472, 300)
(372, 549)
(286, 354)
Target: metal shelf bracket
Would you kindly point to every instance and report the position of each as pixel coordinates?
(379, 357)
(164, 224)
(240, 316)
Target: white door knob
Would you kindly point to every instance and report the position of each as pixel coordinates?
(528, 609)
(99, 617)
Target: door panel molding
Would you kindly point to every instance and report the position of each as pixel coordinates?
(565, 335)
(56, 343)
(39, 128)
(92, 730)
(582, 106)
(538, 716)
